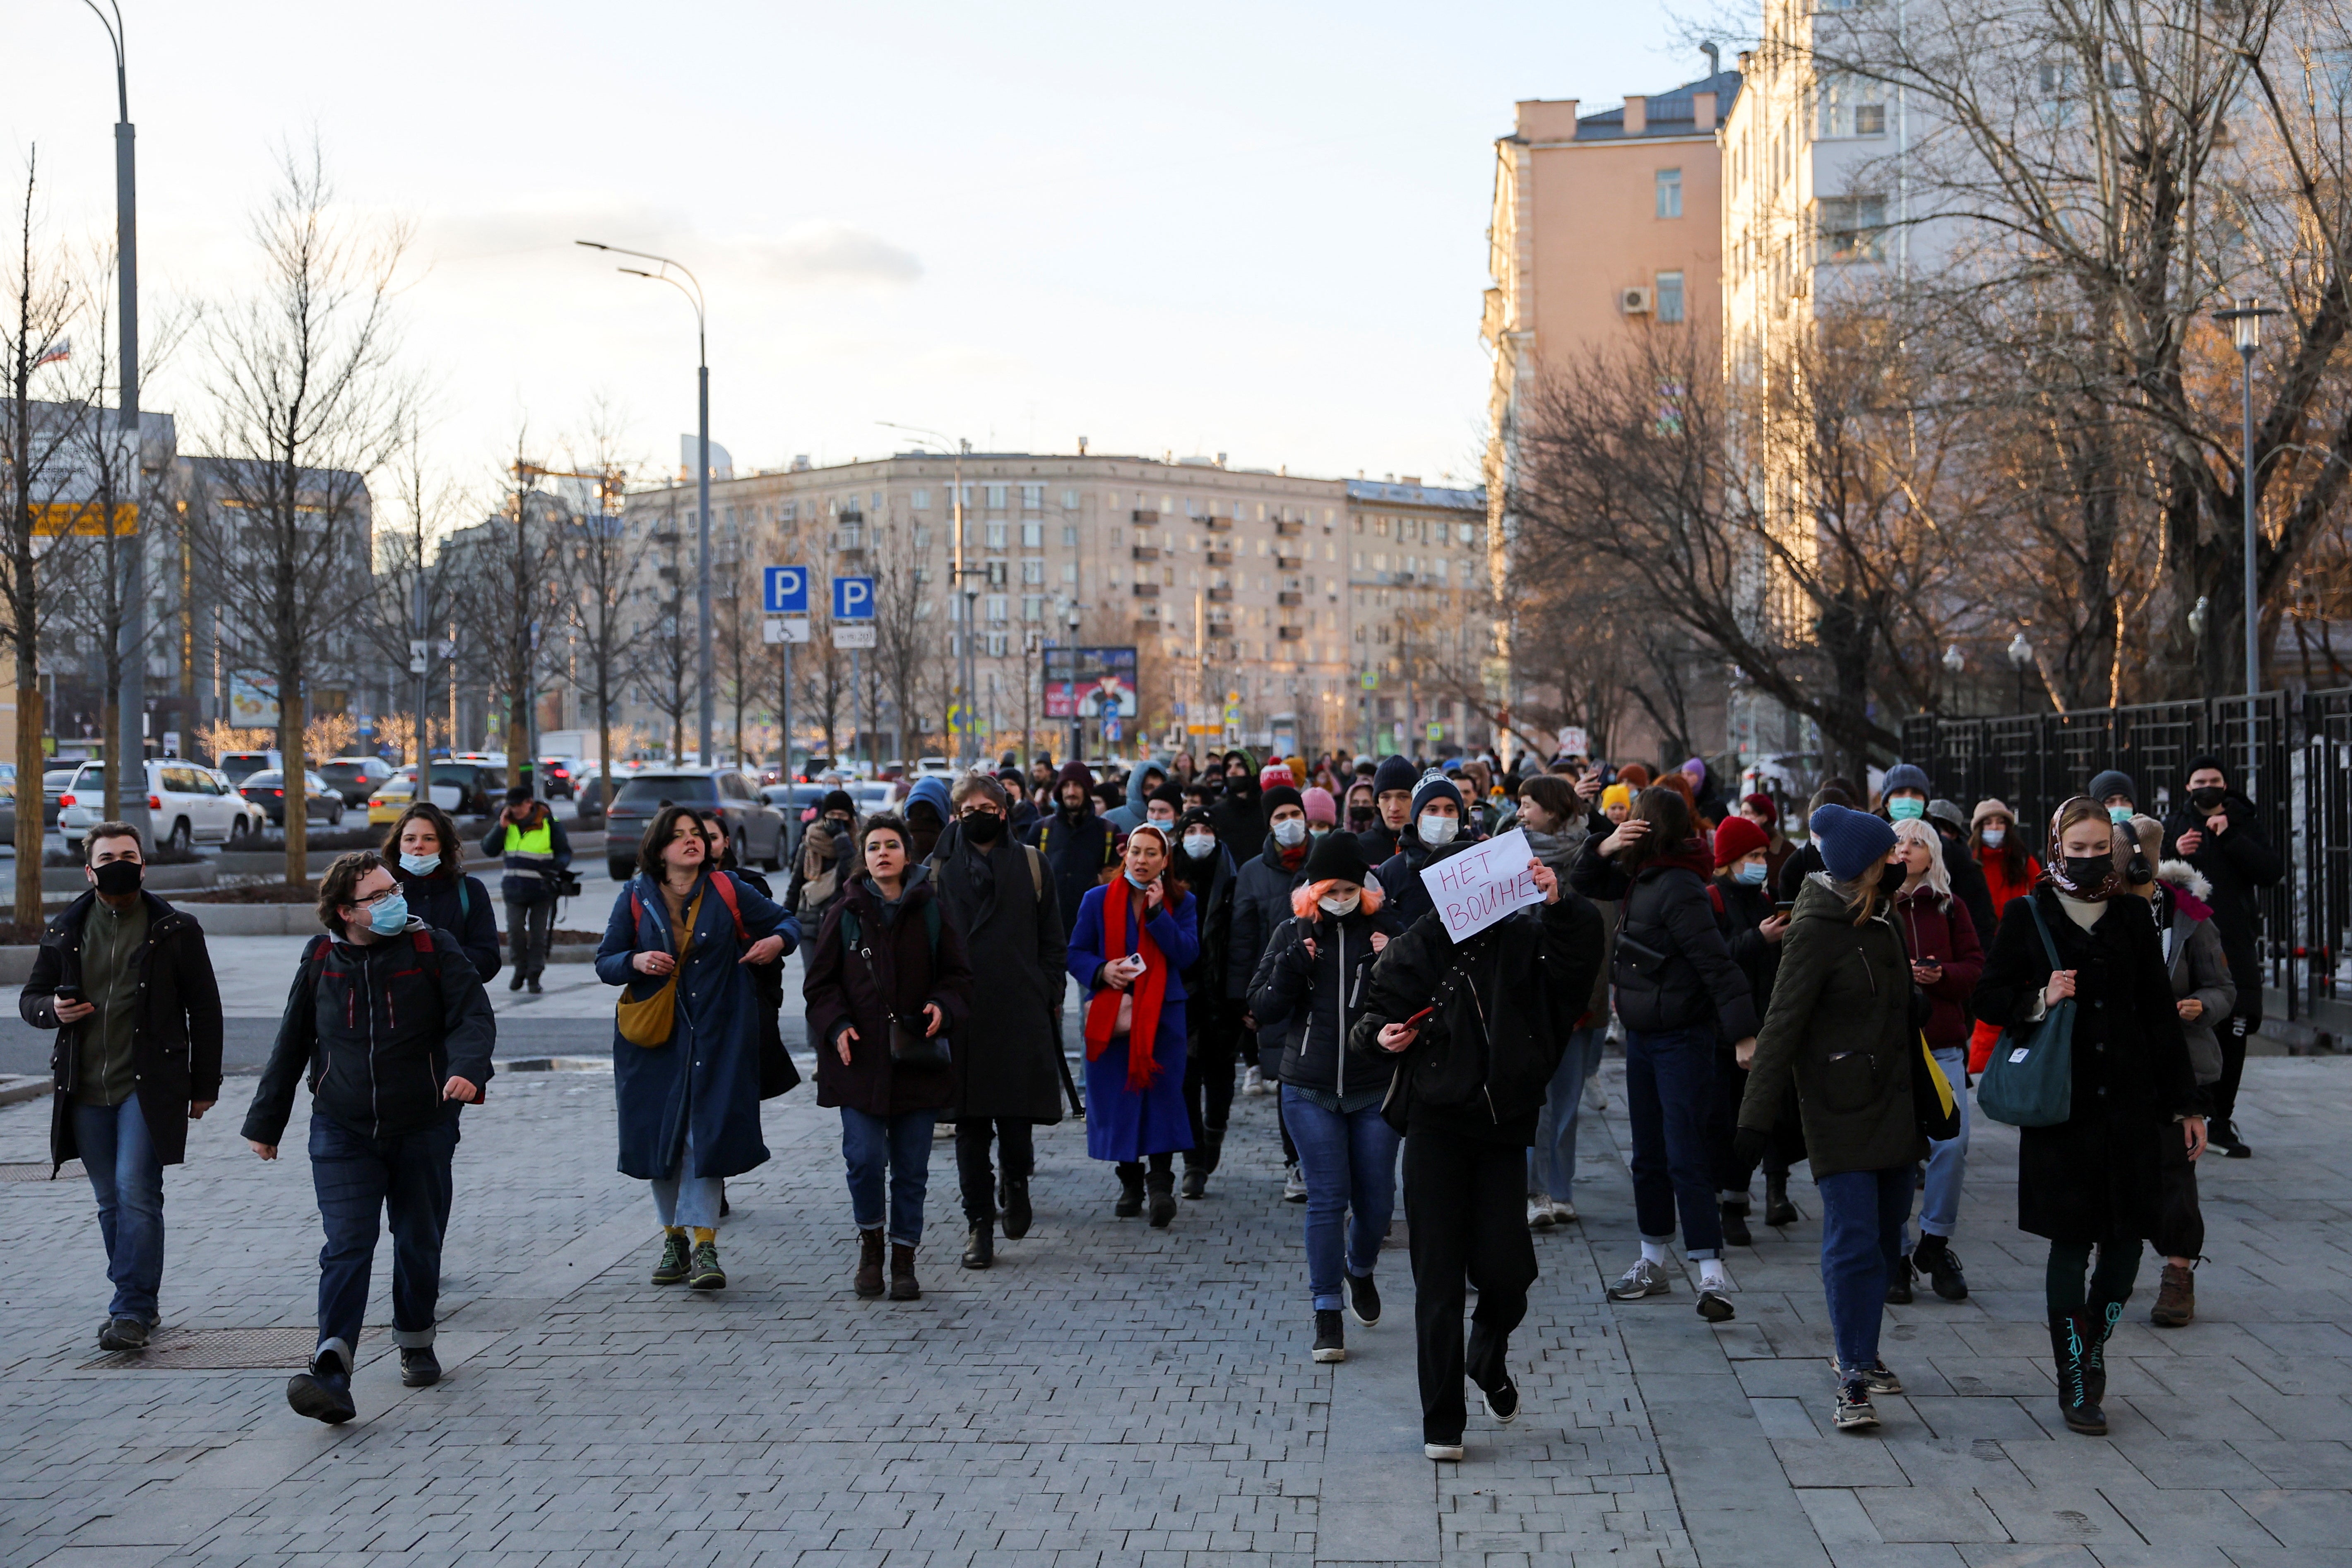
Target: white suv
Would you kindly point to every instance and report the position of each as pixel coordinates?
(190, 804)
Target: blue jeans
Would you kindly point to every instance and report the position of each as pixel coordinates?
(1669, 1090)
(1948, 1159)
(683, 1200)
(1349, 1163)
(1862, 1233)
(900, 1144)
(1551, 1163)
(119, 1155)
(406, 1179)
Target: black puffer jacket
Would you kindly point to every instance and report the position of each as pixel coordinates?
(1211, 882)
(1672, 967)
(1744, 910)
(1324, 991)
(1505, 1001)
(380, 1030)
(1261, 903)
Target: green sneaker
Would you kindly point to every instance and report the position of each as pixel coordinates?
(707, 1275)
(672, 1268)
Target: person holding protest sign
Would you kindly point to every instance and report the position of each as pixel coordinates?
(1480, 1014)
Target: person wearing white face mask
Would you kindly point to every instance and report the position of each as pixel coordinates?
(1332, 1090)
(1212, 1022)
(1435, 830)
(2006, 857)
(423, 851)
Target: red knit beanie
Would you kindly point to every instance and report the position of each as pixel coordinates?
(1734, 837)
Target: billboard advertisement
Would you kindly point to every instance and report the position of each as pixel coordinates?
(1090, 683)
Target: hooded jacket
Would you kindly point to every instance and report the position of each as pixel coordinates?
(2192, 951)
(1239, 818)
(1505, 1001)
(1400, 874)
(1127, 818)
(1081, 851)
(1211, 882)
(1320, 993)
(1672, 966)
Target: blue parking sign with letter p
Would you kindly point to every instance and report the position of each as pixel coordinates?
(853, 598)
(783, 590)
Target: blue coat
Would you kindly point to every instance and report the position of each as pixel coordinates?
(711, 1066)
(1123, 1123)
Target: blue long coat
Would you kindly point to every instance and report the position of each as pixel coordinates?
(715, 1052)
(1123, 1123)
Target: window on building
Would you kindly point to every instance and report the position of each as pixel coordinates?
(1033, 497)
(1033, 536)
(1670, 297)
(1069, 536)
(922, 537)
(1032, 570)
(997, 643)
(996, 498)
(1070, 572)
(1670, 193)
(875, 501)
(920, 499)
(997, 532)
(1849, 228)
(996, 606)
(1069, 500)
(1848, 106)
(1033, 606)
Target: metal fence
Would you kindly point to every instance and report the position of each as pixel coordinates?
(2302, 749)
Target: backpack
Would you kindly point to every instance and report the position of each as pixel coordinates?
(723, 884)
(849, 927)
(314, 965)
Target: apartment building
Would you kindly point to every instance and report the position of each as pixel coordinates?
(1241, 589)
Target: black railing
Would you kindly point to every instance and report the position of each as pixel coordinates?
(2302, 747)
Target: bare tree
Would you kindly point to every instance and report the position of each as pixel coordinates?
(413, 593)
(512, 595)
(666, 668)
(604, 568)
(306, 405)
(739, 647)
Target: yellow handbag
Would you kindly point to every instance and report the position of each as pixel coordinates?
(651, 1021)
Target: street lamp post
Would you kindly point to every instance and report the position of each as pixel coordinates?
(705, 662)
(2021, 659)
(2245, 321)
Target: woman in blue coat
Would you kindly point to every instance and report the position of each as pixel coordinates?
(689, 1108)
(1129, 946)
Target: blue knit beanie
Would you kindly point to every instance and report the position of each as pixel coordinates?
(1904, 775)
(1434, 785)
(1394, 772)
(1850, 841)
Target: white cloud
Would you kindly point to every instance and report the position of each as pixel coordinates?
(829, 252)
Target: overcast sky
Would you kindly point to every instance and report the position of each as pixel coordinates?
(1249, 228)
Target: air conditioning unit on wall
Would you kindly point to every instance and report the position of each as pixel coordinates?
(1633, 302)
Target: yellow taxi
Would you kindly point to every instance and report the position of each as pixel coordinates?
(392, 797)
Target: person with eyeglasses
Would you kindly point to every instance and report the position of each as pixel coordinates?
(389, 1017)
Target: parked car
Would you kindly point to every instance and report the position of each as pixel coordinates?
(927, 767)
(756, 827)
(53, 786)
(391, 797)
(468, 785)
(559, 776)
(189, 804)
(355, 778)
(267, 789)
(798, 803)
(242, 766)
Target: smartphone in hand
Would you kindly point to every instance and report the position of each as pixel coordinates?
(1418, 1019)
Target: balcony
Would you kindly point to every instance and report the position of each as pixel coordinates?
(1288, 597)
(1291, 562)
(1147, 590)
(1218, 524)
(1221, 628)
(1221, 596)
(1220, 557)
(1143, 519)
(849, 541)
(1147, 553)
(1290, 528)
(1292, 634)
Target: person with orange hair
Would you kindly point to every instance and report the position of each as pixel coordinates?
(1313, 968)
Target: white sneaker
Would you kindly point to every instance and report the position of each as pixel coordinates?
(1450, 1452)
(1562, 1212)
(1293, 1185)
(1539, 1212)
(1252, 1080)
(1596, 1098)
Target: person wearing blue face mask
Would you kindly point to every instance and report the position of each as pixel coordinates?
(422, 851)
(391, 1019)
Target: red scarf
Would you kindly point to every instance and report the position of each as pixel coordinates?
(1102, 1011)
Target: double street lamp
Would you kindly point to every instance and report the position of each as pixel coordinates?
(705, 665)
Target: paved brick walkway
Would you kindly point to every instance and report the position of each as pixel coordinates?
(1111, 1395)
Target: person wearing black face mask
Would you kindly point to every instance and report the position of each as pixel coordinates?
(126, 980)
(1008, 1058)
(2219, 832)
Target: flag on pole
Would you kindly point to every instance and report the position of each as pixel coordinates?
(60, 349)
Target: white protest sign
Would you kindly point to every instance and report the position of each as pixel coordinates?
(1479, 886)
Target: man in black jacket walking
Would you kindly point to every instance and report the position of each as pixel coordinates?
(390, 1020)
(1467, 1094)
(2219, 832)
(126, 981)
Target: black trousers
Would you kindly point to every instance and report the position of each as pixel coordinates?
(2232, 1032)
(1017, 1144)
(1466, 1204)
(528, 927)
(1208, 1082)
(2179, 1221)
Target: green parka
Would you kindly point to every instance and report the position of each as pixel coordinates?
(1840, 1024)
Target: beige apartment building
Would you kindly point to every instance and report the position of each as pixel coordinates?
(1272, 599)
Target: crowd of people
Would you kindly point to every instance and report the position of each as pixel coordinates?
(1824, 1001)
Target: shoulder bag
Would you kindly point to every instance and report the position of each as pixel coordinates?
(1933, 1098)
(652, 1020)
(909, 1046)
(2030, 1081)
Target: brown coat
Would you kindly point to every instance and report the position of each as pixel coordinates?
(895, 971)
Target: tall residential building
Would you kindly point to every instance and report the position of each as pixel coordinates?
(1251, 591)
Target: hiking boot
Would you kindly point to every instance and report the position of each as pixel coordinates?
(705, 1273)
(514, 981)
(903, 1285)
(1161, 1185)
(1934, 1258)
(675, 1263)
(419, 1367)
(2069, 1345)
(123, 1335)
(2175, 1298)
(1196, 1181)
(1330, 1336)
(1898, 1283)
(1853, 1412)
(1130, 1192)
(1012, 1197)
(980, 1248)
(323, 1391)
(1363, 1297)
(1294, 1184)
(1777, 1209)
(1539, 1217)
(1878, 1378)
(1734, 1225)
(531, 984)
(869, 1262)
(1644, 1278)
(2103, 1316)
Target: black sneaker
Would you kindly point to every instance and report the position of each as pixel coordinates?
(707, 1275)
(676, 1262)
(532, 985)
(1363, 1299)
(1502, 1401)
(1734, 1225)
(514, 981)
(419, 1367)
(1943, 1274)
(2232, 1147)
(1330, 1336)
(1898, 1283)
(324, 1392)
(122, 1334)
(1196, 1182)
(1855, 1413)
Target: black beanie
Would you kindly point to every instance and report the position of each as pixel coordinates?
(1394, 772)
(837, 800)
(1280, 794)
(1338, 858)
